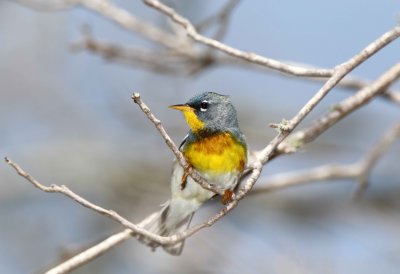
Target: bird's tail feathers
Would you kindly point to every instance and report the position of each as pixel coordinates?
(174, 217)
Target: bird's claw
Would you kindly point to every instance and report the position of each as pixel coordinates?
(184, 177)
(227, 197)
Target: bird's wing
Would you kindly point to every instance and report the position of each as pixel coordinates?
(183, 142)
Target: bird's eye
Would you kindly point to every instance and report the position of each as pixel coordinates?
(203, 105)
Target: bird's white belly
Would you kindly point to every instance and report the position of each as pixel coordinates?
(193, 190)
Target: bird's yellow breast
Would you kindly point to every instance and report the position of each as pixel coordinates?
(216, 154)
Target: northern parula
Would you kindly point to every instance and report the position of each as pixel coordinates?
(216, 148)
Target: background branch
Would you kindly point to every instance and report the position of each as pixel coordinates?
(247, 56)
(358, 171)
(341, 110)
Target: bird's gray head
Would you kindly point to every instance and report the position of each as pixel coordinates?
(210, 112)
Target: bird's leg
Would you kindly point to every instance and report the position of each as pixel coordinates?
(184, 176)
(227, 196)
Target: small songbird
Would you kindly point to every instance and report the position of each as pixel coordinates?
(216, 148)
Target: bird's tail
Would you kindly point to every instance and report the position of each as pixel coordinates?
(175, 216)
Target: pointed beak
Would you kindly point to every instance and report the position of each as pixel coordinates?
(183, 107)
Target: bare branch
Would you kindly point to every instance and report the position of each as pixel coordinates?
(340, 72)
(166, 62)
(355, 83)
(343, 109)
(128, 21)
(252, 57)
(358, 171)
(155, 61)
(91, 253)
(373, 156)
(296, 178)
(348, 82)
(219, 17)
(169, 63)
(222, 17)
(248, 56)
(69, 193)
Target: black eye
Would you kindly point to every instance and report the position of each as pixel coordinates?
(203, 106)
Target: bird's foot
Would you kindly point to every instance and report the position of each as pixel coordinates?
(227, 196)
(184, 177)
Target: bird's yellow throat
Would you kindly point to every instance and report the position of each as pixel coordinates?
(194, 123)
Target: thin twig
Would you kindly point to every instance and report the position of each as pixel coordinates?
(165, 62)
(222, 18)
(373, 156)
(218, 17)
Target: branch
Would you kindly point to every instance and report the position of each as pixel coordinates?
(131, 23)
(349, 82)
(82, 201)
(169, 63)
(166, 62)
(91, 253)
(359, 170)
(222, 18)
(340, 72)
(341, 110)
(373, 156)
(195, 61)
(355, 83)
(121, 17)
(147, 59)
(219, 17)
(247, 56)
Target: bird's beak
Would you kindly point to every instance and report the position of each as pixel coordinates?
(184, 107)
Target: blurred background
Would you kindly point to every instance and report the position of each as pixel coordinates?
(68, 118)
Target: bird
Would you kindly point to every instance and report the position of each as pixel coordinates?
(216, 148)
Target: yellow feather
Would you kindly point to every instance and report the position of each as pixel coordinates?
(194, 123)
(217, 154)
